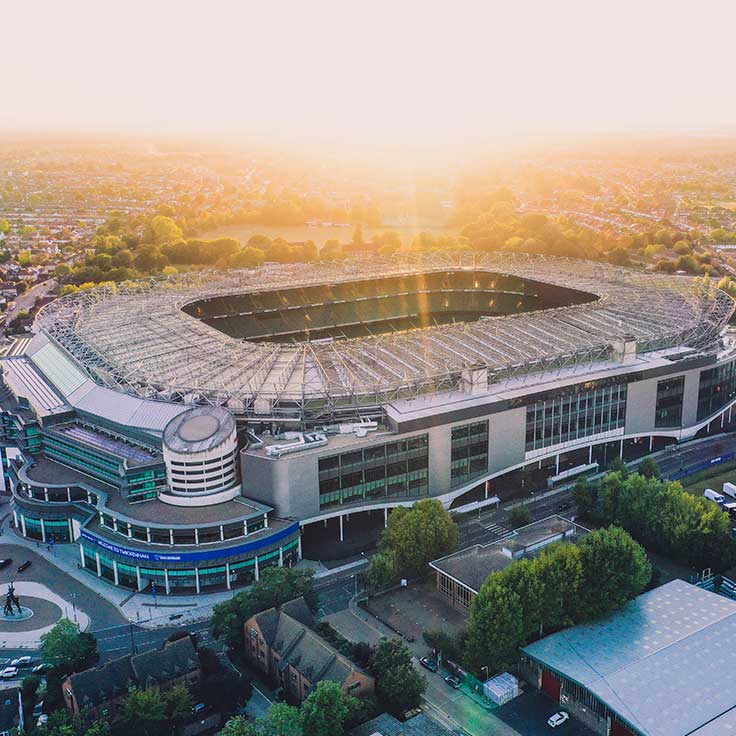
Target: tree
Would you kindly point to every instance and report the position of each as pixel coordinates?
(277, 585)
(282, 720)
(165, 230)
(144, 712)
(178, 703)
(585, 496)
(239, 726)
(68, 649)
(331, 251)
(418, 535)
(325, 710)
(615, 570)
(496, 629)
(648, 468)
(123, 259)
(248, 258)
(524, 579)
(382, 571)
(520, 516)
(561, 568)
(398, 685)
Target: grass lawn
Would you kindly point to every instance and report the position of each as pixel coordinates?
(713, 478)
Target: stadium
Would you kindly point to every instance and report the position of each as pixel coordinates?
(189, 431)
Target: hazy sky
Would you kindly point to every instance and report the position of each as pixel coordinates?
(371, 70)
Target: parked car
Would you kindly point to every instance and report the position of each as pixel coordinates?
(38, 709)
(198, 708)
(9, 672)
(430, 664)
(558, 719)
(39, 669)
(4, 563)
(24, 566)
(21, 661)
(43, 719)
(452, 681)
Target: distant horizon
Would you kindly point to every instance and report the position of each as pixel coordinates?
(408, 75)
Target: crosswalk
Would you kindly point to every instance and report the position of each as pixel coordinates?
(496, 531)
(17, 347)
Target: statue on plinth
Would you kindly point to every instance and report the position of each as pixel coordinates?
(11, 600)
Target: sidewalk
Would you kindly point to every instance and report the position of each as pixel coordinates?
(138, 607)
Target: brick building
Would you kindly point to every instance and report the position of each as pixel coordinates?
(104, 688)
(283, 645)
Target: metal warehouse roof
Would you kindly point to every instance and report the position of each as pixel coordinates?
(137, 338)
(663, 663)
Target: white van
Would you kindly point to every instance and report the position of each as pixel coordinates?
(729, 489)
(719, 498)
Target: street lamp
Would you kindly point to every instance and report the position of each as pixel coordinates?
(485, 667)
(132, 640)
(73, 596)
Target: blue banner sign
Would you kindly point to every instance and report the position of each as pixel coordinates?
(703, 466)
(206, 554)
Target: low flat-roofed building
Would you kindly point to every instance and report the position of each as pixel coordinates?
(460, 574)
(658, 667)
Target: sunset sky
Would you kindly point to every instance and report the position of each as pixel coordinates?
(369, 71)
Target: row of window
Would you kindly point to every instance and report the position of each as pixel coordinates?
(717, 388)
(570, 417)
(204, 535)
(468, 452)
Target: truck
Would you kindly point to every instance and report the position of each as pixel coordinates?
(729, 489)
(712, 495)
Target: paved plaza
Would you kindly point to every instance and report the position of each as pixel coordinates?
(416, 609)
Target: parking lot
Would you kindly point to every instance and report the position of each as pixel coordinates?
(416, 609)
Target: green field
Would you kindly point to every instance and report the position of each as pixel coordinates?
(713, 478)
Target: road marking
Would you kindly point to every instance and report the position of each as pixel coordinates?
(263, 695)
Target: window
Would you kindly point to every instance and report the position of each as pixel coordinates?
(668, 411)
(394, 470)
(717, 388)
(468, 452)
(586, 410)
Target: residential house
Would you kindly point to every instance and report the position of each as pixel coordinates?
(103, 689)
(284, 646)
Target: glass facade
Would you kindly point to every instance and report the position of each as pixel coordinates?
(394, 470)
(717, 388)
(211, 575)
(469, 452)
(668, 411)
(587, 410)
(140, 483)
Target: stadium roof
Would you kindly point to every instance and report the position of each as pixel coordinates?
(137, 339)
(662, 663)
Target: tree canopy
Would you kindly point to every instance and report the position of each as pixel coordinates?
(419, 534)
(398, 685)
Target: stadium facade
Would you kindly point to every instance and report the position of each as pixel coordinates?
(184, 432)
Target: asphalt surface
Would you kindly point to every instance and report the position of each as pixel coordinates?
(28, 298)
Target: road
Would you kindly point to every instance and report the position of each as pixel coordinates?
(28, 298)
(693, 454)
(493, 524)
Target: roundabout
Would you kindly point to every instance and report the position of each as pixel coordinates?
(40, 610)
